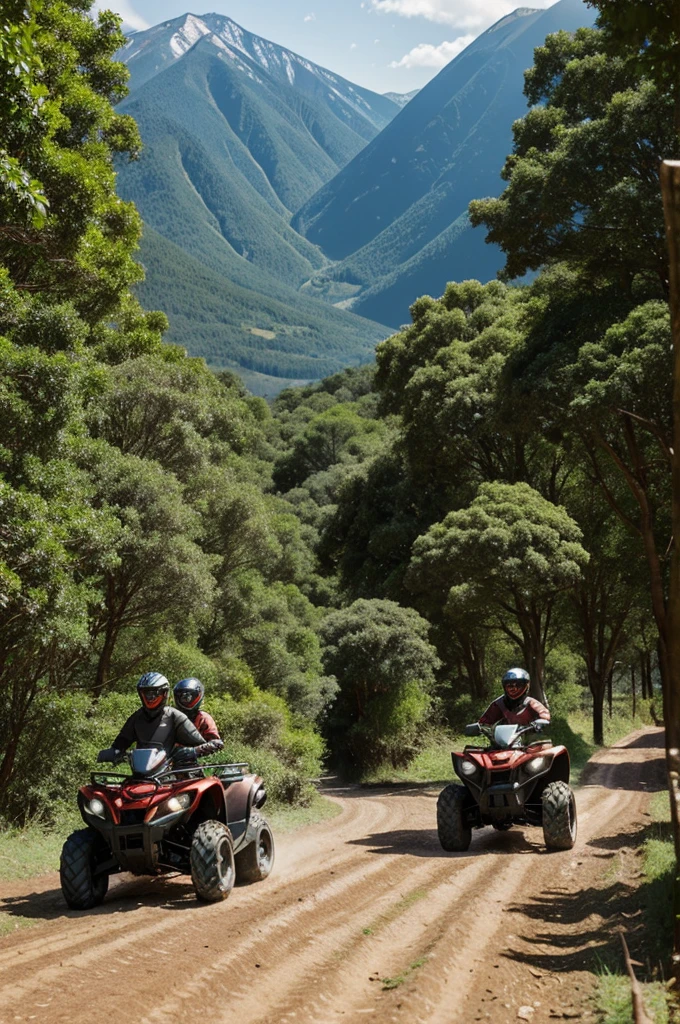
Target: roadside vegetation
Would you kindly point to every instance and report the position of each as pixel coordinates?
(651, 915)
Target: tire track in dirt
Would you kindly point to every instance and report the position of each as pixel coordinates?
(365, 896)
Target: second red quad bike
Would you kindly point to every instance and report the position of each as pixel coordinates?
(510, 782)
(168, 816)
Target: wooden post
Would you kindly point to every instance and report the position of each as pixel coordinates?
(639, 1012)
(670, 190)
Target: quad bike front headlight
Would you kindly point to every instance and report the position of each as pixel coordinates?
(96, 807)
(468, 768)
(173, 804)
(536, 765)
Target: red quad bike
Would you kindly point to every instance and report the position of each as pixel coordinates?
(168, 817)
(508, 783)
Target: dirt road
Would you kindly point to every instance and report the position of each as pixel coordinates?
(364, 919)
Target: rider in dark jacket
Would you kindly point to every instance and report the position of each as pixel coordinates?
(155, 724)
(515, 707)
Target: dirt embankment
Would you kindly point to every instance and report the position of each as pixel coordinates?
(364, 918)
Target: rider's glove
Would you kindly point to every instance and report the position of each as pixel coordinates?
(185, 755)
(110, 754)
(211, 747)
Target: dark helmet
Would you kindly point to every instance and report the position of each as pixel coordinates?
(153, 690)
(188, 694)
(515, 686)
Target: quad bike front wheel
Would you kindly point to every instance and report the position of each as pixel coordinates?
(255, 862)
(82, 888)
(454, 834)
(212, 861)
(559, 816)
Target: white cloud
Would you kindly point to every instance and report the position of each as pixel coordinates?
(131, 19)
(464, 14)
(427, 56)
(352, 46)
(310, 17)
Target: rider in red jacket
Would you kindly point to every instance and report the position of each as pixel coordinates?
(188, 694)
(515, 707)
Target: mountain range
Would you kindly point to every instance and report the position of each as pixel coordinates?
(238, 133)
(291, 216)
(394, 220)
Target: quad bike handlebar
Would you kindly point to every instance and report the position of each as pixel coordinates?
(478, 729)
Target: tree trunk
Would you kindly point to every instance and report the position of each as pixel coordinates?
(104, 663)
(648, 667)
(632, 685)
(643, 675)
(597, 688)
(610, 698)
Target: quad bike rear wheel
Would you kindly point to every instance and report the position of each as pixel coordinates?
(255, 862)
(454, 834)
(82, 888)
(212, 861)
(559, 816)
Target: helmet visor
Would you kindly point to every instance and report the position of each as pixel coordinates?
(515, 688)
(153, 696)
(187, 698)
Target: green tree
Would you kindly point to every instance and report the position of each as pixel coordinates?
(385, 668)
(159, 575)
(21, 100)
(512, 552)
(63, 123)
(49, 553)
(583, 176)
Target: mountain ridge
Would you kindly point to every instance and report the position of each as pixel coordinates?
(395, 218)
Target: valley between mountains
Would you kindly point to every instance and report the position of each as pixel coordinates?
(363, 918)
(292, 216)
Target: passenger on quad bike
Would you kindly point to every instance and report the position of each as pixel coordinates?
(188, 695)
(156, 725)
(515, 706)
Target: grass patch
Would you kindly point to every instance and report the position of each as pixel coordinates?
(399, 979)
(284, 818)
(28, 852)
(10, 923)
(655, 897)
(614, 1004)
(431, 764)
(395, 911)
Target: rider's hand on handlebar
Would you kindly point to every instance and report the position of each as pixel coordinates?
(540, 724)
(186, 755)
(110, 754)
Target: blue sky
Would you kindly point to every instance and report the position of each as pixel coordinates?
(381, 44)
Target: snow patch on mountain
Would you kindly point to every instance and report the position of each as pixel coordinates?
(188, 35)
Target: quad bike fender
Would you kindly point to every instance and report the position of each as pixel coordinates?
(559, 770)
(241, 797)
(212, 805)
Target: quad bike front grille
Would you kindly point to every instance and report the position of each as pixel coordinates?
(132, 817)
(498, 778)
